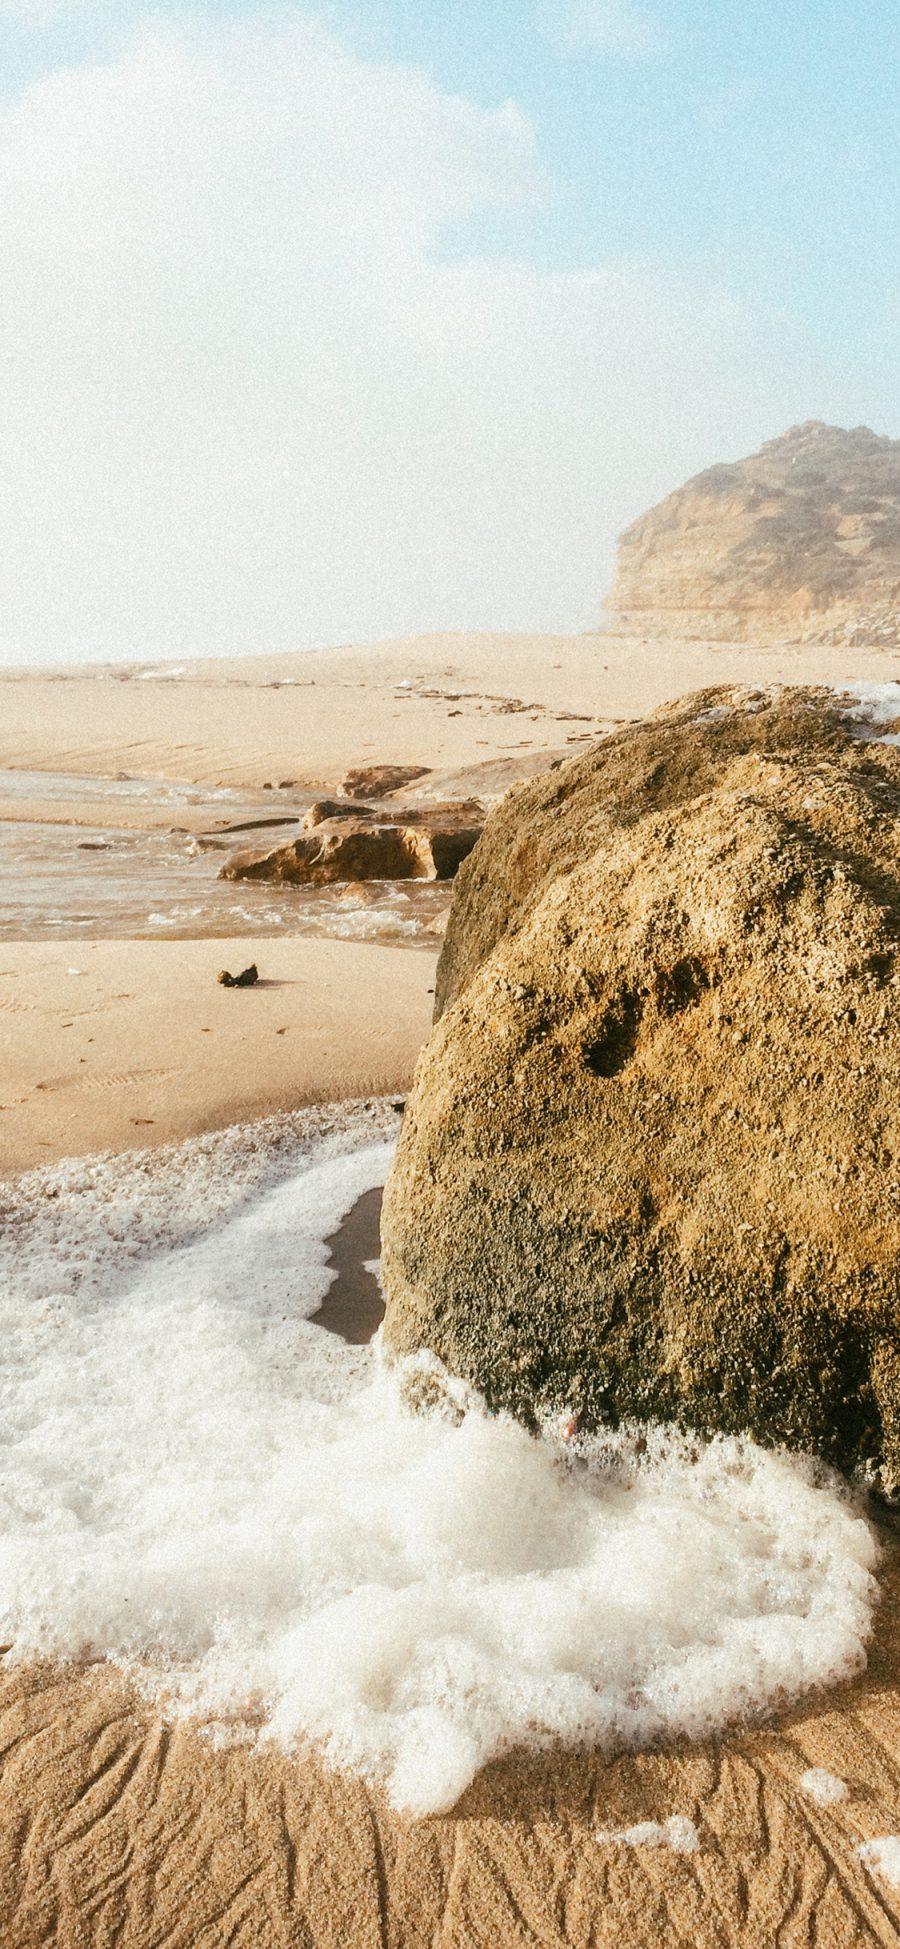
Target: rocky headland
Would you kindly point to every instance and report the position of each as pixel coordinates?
(800, 542)
(651, 1162)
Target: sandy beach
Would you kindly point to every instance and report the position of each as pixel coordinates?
(449, 976)
(448, 702)
(116, 1824)
(117, 1828)
(113, 1045)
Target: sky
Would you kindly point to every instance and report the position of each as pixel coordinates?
(325, 325)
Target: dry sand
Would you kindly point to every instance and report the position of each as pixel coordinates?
(115, 1830)
(310, 717)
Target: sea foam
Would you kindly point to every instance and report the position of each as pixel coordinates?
(203, 1485)
(827, 1789)
(677, 1833)
(877, 705)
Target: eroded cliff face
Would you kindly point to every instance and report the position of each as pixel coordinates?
(800, 542)
(649, 1164)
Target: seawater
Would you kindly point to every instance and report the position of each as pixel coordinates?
(60, 881)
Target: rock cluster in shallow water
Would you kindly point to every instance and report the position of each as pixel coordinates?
(336, 844)
(651, 1161)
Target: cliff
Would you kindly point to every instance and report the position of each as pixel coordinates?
(800, 542)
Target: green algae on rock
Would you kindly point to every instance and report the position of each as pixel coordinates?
(650, 1165)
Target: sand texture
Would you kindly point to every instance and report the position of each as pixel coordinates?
(117, 1830)
(142, 1046)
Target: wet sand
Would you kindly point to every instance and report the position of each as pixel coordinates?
(116, 1829)
(354, 1306)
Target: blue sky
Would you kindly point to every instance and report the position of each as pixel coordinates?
(760, 135)
(533, 263)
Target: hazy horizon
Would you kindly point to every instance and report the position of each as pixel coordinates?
(330, 326)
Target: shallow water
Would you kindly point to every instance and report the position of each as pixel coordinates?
(71, 882)
(200, 1483)
(69, 787)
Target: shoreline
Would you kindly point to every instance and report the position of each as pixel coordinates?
(156, 1829)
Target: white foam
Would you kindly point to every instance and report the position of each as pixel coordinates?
(823, 1787)
(882, 1857)
(677, 1833)
(199, 1482)
(877, 705)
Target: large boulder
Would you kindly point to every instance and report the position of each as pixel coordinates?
(650, 1165)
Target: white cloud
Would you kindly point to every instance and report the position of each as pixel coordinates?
(614, 26)
(248, 405)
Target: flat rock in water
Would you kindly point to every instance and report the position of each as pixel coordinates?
(425, 845)
(323, 809)
(651, 1162)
